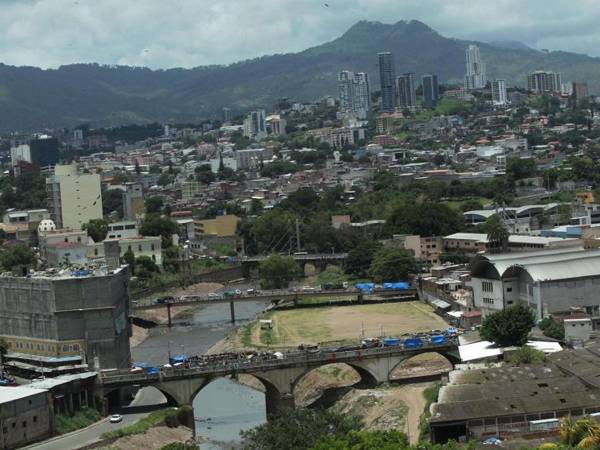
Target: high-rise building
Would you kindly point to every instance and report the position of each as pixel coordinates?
(44, 151)
(580, 90)
(431, 90)
(475, 78)
(541, 81)
(387, 78)
(226, 115)
(354, 93)
(255, 126)
(73, 198)
(362, 95)
(499, 96)
(406, 91)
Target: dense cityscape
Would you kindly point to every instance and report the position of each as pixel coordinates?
(408, 262)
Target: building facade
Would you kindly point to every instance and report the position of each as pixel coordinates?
(354, 93)
(499, 96)
(475, 78)
(68, 315)
(387, 77)
(431, 90)
(255, 126)
(406, 91)
(73, 198)
(133, 201)
(541, 81)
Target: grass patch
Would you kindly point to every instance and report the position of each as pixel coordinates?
(246, 335)
(82, 418)
(431, 396)
(170, 416)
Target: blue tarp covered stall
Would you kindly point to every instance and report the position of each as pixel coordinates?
(365, 288)
(397, 285)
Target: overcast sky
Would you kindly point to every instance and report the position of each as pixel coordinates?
(188, 33)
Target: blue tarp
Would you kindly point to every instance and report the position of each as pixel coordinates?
(439, 339)
(397, 285)
(366, 288)
(413, 343)
(178, 359)
(391, 342)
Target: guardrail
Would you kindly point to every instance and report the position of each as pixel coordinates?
(254, 364)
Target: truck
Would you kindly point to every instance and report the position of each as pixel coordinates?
(334, 285)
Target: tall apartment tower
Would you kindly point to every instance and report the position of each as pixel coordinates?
(346, 91)
(387, 77)
(499, 96)
(406, 91)
(431, 90)
(354, 93)
(475, 78)
(226, 115)
(255, 126)
(73, 198)
(542, 81)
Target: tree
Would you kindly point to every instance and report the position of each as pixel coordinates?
(204, 174)
(583, 433)
(508, 327)
(97, 229)
(527, 355)
(256, 207)
(129, 258)
(391, 264)
(154, 204)
(145, 266)
(365, 440)
(277, 271)
(552, 328)
(299, 429)
(18, 255)
(497, 234)
(360, 257)
(518, 168)
(425, 219)
(273, 230)
(112, 200)
(154, 225)
(165, 179)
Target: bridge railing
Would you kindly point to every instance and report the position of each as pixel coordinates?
(259, 363)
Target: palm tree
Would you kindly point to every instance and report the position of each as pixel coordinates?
(497, 234)
(583, 433)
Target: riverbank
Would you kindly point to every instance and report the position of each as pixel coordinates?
(160, 315)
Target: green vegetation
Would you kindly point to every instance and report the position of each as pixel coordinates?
(552, 328)
(431, 394)
(497, 234)
(97, 229)
(170, 416)
(527, 355)
(277, 271)
(391, 264)
(17, 255)
(179, 446)
(81, 419)
(298, 429)
(508, 327)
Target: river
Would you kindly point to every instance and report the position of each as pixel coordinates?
(224, 407)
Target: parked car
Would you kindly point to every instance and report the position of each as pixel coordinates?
(116, 418)
(308, 289)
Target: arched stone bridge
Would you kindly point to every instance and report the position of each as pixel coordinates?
(279, 376)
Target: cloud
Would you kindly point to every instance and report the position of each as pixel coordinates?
(188, 33)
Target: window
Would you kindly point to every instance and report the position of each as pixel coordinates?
(95, 252)
(489, 301)
(140, 247)
(24, 423)
(487, 286)
(34, 419)
(509, 289)
(152, 247)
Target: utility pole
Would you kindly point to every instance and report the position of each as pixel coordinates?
(298, 234)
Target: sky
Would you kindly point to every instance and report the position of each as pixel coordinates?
(189, 33)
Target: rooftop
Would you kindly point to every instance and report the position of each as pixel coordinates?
(10, 394)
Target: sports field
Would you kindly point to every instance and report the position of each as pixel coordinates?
(343, 324)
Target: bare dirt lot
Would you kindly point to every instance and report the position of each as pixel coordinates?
(348, 323)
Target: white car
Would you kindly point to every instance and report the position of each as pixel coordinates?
(116, 418)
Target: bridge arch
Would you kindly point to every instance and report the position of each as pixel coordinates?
(430, 364)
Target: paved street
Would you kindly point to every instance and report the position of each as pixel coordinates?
(75, 440)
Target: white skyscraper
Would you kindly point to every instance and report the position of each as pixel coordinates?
(255, 126)
(354, 93)
(499, 92)
(475, 77)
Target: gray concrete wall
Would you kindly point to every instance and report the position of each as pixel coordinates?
(27, 308)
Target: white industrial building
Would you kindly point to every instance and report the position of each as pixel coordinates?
(549, 281)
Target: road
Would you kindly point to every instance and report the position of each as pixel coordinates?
(90, 435)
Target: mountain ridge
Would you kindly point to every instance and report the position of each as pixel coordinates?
(33, 98)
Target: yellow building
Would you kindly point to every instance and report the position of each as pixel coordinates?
(221, 226)
(586, 197)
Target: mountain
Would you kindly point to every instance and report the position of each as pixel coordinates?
(32, 98)
(510, 45)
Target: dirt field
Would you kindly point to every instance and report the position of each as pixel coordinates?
(154, 439)
(348, 323)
